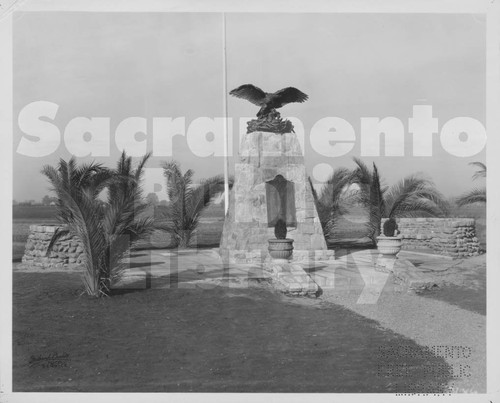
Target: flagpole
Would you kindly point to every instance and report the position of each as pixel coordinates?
(224, 103)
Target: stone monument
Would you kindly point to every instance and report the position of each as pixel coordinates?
(271, 183)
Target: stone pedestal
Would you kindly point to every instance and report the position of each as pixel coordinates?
(247, 227)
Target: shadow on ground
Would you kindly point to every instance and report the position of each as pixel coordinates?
(201, 340)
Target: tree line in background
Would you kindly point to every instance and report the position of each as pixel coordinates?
(151, 198)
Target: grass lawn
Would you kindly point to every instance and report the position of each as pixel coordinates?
(200, 340)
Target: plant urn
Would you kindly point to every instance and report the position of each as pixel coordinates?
(389, 245)
(281, 249)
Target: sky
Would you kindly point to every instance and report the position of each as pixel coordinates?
(152, 65)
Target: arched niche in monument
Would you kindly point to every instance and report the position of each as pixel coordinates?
(280, 201)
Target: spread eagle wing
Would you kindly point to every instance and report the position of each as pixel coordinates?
(287, 95)
(251, 93)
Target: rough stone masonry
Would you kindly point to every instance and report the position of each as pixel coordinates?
(454, 237)
(66, 253)
(264, 158)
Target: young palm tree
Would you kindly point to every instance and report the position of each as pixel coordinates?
(413, 196)
(477, 195)
(107, 230)
(124, 220)
(329, 203)
(186, 201)
(371, 195)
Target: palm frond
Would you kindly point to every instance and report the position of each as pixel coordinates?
(174, 180)
(481, 173)
(362, 174)
(336, 183)
(415, 191)
(65, 169)
(328, 204)
(370, 195)
(477, 195)
(123, 167)
(401, 191)
(138, 176)
(377, 192)
(415, 208)
(58, 234)
(101, 179)
(140, 167)
(313, 190)
(377, 205)
(85, 225)
(83, 175)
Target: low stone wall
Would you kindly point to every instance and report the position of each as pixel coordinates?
(454, 237)
(66, 253)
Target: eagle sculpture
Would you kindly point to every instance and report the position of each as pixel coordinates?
(268, 102)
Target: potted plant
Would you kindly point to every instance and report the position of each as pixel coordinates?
(390, 242)
(281, 248)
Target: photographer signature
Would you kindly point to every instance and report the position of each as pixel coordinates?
(50, 360)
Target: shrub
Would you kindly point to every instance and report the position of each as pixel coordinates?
(280, 229)
(390, 227)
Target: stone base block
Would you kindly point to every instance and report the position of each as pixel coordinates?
(406, 274)
(291, 279)
(262, 257)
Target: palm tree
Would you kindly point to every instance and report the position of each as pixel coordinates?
(477, 195)
(186, 201)
(413, 196)
(106, 229)
(124, 220)
(329, 202)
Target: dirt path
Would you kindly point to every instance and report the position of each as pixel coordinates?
(435, 324)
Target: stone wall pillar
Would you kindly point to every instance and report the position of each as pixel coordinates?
(66, 253)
